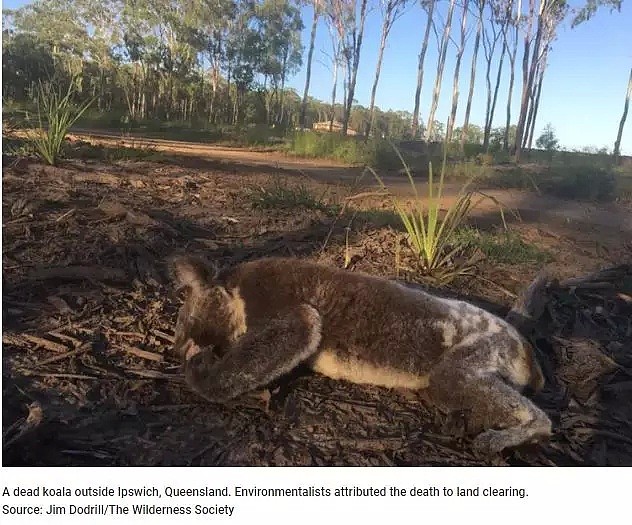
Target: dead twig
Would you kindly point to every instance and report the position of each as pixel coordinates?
(65, 215)
(366, 194)
(144, 354)
(46, 343)
(154, 374)
(163, 335)
(67, 355)
(28, 372)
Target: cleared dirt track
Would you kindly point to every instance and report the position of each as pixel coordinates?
(528, 204)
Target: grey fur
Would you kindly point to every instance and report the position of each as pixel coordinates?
(267, 316)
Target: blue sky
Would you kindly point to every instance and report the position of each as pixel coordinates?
(582, 94)
(584, 84)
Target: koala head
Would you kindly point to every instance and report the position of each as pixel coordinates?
(206, 318)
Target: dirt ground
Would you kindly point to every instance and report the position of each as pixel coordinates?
(88, 319)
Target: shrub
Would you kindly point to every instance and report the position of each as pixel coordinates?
(547, 140)
(59, 112)
(354, 150)
(580, 182)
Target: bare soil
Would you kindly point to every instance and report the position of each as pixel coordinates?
(88, 319)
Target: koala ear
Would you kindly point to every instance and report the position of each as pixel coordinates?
(191, 272)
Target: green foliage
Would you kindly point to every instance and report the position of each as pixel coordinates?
(353, 150)
(580, 182)
(590, 8)
(547, 140)
(59, 112)
(485, 159)
(280, 195)
(503, 246)
(431, 235)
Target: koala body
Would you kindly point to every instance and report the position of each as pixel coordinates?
(267, 316)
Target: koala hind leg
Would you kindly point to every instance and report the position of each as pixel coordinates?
(263, 354)
(500, 415)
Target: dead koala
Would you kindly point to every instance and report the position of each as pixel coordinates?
(267, 316)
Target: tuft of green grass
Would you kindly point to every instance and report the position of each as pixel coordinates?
(59, 112)
(432, 234)
(504, 246)
(279, 195)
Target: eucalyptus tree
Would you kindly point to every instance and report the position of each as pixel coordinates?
(349, 22)
(25, 62)
(317, 7)
(544, 16)
(392, 10)
(278, 24)
(512, 10)
(428, 6)
(491, 36)
(443, 51)
(553, 17)
(457, 69)
(56, 24)
(214, 18)
(464, 136)
(628, 94)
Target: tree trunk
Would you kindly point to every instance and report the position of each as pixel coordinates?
(536, 105)
(617, 144)
(492, 110)
(308, 75)
(477, 43)
(440, 66)
(490, 49)
(528, 75)
(512, 76)
(457, 69)
(333, 97)
(530, 113)
(420, 69)
(282, 92)
(378, 68)
(354, 69)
